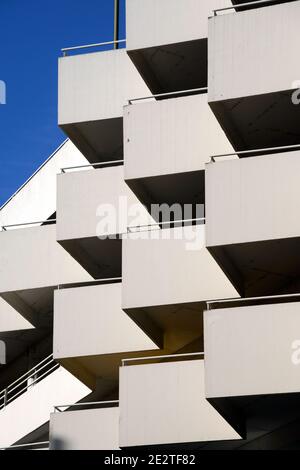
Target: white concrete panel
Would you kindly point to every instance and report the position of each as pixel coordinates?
(36, 199)
(171, 136)
(253, 52)
(165, 403)
(96, 86)
(96, 202)
(160, 22)
(32, 258)
(89, 321)
(94, 429)
(253, 199)
(252, 350)
(32, 409)
(178, 269)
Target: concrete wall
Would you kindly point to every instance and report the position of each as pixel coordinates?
(252, 199)
(96, 86)
(36, 200)
(93, 429)
(163, 22)
(31, 258)
(85, 198)
(32, 409)
(165, 403)
(253, 52)
(170, 136)
(169, 271)
(90, 321)
(249, 350)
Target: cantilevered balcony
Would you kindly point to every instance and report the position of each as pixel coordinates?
(89, 426)
(166, 144)
(252, 221)
(92, 90)
(93, 207)
(167, 41)
(92, 333)
(252, 76)
(164, 403)
(252, 363)
(32, 264)
(167, 274)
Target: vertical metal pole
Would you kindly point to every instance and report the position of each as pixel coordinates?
(116, 23)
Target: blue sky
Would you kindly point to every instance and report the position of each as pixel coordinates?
(32, 32)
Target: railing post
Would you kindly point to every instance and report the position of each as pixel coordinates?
(5, 397)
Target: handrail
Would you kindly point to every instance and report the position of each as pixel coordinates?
(241, 5)
(171, 93)
(104, 280)
(91, 403)
(64, 50)
(153, 358)
(168, 222)
(286, 148)
(99, 164)
(34, 373)
(40, 222)
(250, 299)
(31, 444)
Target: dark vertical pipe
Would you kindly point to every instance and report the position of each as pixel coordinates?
(116, 23)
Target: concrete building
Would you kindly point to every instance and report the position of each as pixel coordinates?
(149, 270)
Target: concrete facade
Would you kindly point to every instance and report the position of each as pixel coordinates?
(252, 74)
(164, 403)
(176, 330)
(92, 90)
(100, 428)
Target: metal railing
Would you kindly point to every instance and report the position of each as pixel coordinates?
(92, 282)
(25, 224)
(94, 165)
(99, 404)
(255, 152)
(29, 446)
(27, 380)
(284, 297)
(171, 94)
(166, 224)
(163, 357)
(248, 4)
(65, 50)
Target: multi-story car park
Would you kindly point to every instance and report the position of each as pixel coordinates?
(128, 328)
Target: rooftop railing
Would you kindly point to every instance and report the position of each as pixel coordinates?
(93, 165)
(27, 380)
(87, 405)
(236, 301)
(256, 152)
(43, 445)
(171, 94)
(66, 50)
(166, 224)
(92, 282)
(247, 5)
(26, 224)
(167, 357)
